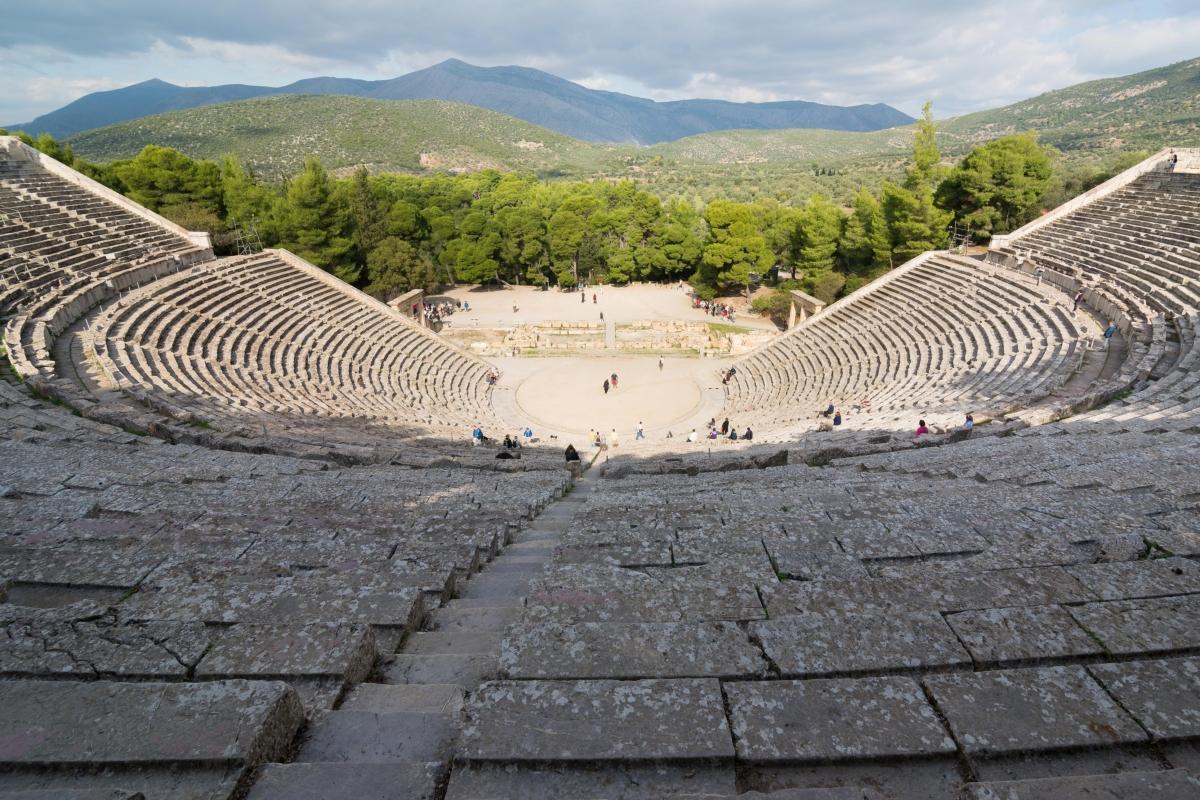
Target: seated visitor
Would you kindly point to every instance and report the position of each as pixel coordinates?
(748, 435)
(922, 429)
(969, 423)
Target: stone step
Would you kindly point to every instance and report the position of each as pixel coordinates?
(453, 643)
(452, 617)
(467, 671)
(1176, 784)
(587, 721)
(517, 567)
(367, 736)
(412, 780)
(533, 545)
(486, 586)
(389, 698)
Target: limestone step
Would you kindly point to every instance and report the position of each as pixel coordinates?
(1176, 784)
(455, 643)
(487, 586)
(367, 736)
(518, 567)
(412, 780)
(467, 671)
(430, 698)
(473, 619)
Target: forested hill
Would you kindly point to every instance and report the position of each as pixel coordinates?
(274, 134)
(527, 94)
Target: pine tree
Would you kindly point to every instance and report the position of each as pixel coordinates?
(315, 226)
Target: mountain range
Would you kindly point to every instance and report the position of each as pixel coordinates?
(527, 94)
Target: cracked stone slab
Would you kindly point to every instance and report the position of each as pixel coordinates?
(1128, 580)
(832, 643)
(270, 599)
(592, 650)
(949, 591)
(367, 736)
(612, 782)
(1030, 710)
(38, 645)
(998, 636)
(570, 594)
(834, 720)
(1153, 625)
(245, 650)
(63, 722)
(1174, 784)
(1164, 696)
(79, 564)
(417, 780)
(802, 562)
(552, 721)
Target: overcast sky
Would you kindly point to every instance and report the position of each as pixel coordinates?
(963, 56)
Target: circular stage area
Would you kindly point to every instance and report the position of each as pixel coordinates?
(567, 395)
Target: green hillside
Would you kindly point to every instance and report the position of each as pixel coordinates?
(1090, 121)
(274, 134)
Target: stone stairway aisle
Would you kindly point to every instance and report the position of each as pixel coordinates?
(395, 738)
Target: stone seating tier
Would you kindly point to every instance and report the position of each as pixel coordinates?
(938, 337)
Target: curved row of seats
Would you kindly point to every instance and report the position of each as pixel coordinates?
(257, 333)
(1135, 254)
(939, 336)
(258, 340)
(1140, 245)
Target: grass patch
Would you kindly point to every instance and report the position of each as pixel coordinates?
(725, 327)
(7, 371)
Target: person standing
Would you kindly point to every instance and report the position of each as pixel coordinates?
(725, 426)
(1078, 299)
(614, 441)
(1110, 332)
(606, 385)
(660, 364)
(641, 432)
(583, 297)
(614, 380)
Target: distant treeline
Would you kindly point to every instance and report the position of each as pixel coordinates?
(391, 233)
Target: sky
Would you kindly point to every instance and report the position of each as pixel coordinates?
(962, 56)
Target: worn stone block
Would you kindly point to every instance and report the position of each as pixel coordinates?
(1133, 579)
(346, 652)
(570, 594)
(1028, 710)
(628, 650)
(1152, 625)
(831, 720)
(1164, 696)
(832, 643)
(554, 721)
(1171, 785)
(61, 722)
(1012, 635)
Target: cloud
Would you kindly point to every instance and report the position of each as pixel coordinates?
(963, 56)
